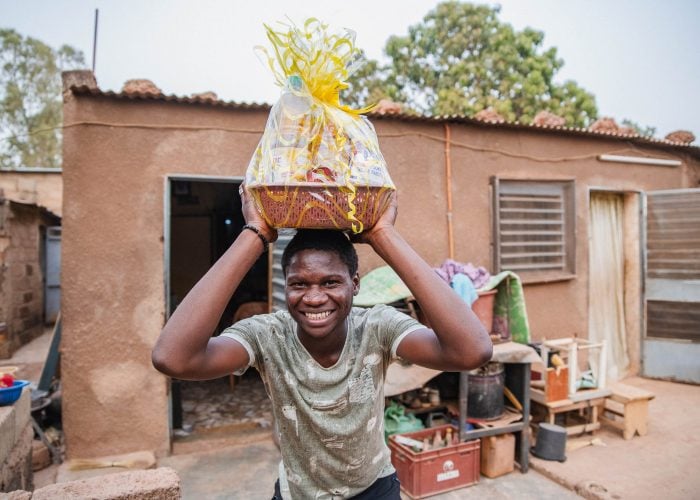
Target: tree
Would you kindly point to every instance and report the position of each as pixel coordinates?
(644, 130)
(461, 59)
(30, 100)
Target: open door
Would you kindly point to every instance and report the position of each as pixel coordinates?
(671, 343)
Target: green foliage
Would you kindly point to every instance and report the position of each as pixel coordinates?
(645, 131)
(461, 59)
(30, 100)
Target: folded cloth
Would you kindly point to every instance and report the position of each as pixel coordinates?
(478, 275)
(464, 287)
(381, 286)
(509, 311)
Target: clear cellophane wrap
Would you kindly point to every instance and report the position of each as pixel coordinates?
(318, 163)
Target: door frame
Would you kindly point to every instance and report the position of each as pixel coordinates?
(635, 276)
(167, 212)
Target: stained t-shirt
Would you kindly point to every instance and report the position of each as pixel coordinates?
(330, 420)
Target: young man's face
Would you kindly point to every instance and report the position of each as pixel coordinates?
(319, 292)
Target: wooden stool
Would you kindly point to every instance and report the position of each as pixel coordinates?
(627, 409)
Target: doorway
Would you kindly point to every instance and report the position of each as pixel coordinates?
(609, 267)
(203, 217)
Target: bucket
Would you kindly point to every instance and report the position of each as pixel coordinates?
(550, 443)
(485, 394)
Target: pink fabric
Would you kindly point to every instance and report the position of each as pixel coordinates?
(478, 275)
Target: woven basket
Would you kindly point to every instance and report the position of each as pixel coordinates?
(320, 206)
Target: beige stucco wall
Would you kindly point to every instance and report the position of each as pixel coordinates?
(113, 265)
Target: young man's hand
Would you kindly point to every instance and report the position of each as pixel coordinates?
(252, 216)
(386, 222)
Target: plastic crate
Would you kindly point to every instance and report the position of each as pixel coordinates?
(427, 473)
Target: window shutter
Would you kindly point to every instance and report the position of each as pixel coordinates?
(534, 227)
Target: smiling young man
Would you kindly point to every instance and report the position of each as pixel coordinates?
(323, 362)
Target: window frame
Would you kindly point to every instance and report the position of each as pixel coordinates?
(533, 187)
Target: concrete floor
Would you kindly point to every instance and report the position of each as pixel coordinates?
(660, 464)
(249, 471)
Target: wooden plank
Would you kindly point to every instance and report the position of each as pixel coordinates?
(673, 274)
(625, 393)
(592, 395)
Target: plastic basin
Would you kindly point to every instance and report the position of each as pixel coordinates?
(9, 395)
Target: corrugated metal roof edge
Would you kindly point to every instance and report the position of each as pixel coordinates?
(694, 150)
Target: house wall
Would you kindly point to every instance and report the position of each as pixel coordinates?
(113, 233)
(21, 277)
(43, 187)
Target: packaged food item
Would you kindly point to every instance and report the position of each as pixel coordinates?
(318, 163)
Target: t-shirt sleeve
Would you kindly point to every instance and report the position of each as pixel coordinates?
(393, 327)
(246, 332)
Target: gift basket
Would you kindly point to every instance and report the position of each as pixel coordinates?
(318, 163)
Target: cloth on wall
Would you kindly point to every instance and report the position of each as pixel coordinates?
(450, 268)
(509, 311)
(606, 318)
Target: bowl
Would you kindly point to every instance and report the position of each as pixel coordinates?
(8, 395)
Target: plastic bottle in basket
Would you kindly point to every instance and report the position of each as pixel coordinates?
(294, 124)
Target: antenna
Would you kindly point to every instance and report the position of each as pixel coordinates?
(94, 41)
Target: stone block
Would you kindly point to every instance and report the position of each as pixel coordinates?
(17, 495)
(23, 408)
(8, 434)
(157, 484)
(41, 457)
(16, 469)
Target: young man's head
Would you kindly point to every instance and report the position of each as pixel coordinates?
(321, 239)
(320, 268)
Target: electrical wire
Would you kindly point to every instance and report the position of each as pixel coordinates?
(459, 144)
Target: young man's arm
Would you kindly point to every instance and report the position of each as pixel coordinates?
(185, 348)
(458, 340)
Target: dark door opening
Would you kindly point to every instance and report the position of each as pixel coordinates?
(205, 218)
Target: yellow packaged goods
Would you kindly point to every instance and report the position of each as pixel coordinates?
(318, 163)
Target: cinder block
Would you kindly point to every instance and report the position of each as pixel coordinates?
(16, 470)
(160, 484)
(23, 409)
(17, 495)
(8, 432)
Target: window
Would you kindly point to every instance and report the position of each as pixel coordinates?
(534, 232)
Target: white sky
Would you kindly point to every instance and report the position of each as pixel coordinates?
(640, 58)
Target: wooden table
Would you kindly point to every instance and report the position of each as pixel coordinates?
(588, 405)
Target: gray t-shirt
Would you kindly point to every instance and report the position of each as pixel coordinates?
(330, 420)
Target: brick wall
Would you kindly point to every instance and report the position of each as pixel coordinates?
(21, 277)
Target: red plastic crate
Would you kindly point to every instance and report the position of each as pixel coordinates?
(427, 473)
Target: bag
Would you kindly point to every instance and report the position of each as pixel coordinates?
(397, 422)
(318, 163)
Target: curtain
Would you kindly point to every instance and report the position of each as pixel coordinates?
(606, 310)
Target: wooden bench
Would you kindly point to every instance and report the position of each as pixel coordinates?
(627, 409)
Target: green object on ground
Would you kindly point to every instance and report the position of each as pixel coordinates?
(397, 422)
(509, 311)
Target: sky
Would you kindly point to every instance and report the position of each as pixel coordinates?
(635, 56)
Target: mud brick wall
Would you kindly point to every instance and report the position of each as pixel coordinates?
(21, 279)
